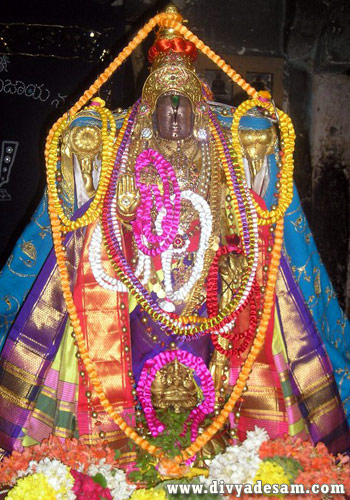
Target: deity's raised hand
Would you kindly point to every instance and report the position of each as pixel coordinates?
(128, 197)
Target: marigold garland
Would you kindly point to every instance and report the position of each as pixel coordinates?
(220, 420)
(168, 20)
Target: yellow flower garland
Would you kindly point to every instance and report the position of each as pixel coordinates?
(288, 138)
(33, 487)
(220, 420)
(109, 149)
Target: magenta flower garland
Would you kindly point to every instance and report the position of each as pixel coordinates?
(152, 198)
(149, 371)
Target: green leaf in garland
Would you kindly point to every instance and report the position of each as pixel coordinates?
(100, 479)
(170, 441)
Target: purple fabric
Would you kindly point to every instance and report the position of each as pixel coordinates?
(313, 337)
(43, 343)
(50, 349)
(46, 345)
(37, 339)
(143, 347)
(310, 345)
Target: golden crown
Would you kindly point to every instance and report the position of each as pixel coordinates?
(171, 72)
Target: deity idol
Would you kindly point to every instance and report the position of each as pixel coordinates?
(168, 292)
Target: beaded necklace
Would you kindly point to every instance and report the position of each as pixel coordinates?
(168, 322)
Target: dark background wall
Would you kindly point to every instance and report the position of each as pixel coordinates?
(60, 47)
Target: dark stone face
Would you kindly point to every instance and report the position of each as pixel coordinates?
(173, 117)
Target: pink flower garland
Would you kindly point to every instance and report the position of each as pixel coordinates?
(152, 198)
(149, 371)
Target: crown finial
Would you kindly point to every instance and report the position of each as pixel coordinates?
(170, 33)
(172, 69)
(171, 9)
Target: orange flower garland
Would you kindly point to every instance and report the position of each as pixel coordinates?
(118, 61)
(168, 20)
(220, 420)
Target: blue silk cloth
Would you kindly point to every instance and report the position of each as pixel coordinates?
(23, 266)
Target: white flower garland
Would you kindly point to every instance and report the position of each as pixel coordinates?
(144, 262)
(206, 222)
(105, 280)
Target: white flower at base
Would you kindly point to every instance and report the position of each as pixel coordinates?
(116, 480)
(57, 475)
(239, 463)
(255, 438)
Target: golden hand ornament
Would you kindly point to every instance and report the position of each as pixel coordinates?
(128, 197)
(86, 143)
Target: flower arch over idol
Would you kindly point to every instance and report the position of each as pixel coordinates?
(168, 292)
